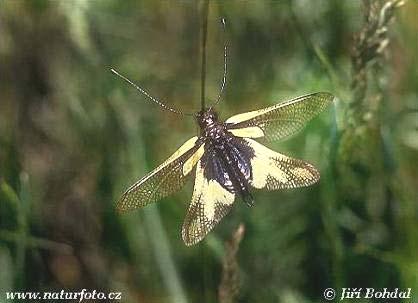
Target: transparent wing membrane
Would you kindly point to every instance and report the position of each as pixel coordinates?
(281, 120)
(166, 179)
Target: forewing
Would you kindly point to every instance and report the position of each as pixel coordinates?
(281, 120)
(210, 203)
(167, 178)
(272, 170)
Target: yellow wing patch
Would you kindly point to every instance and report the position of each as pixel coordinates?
(249, 115)
(216, 194)
(191, 162)
(185, 147)
(210, 203)
(248, 132)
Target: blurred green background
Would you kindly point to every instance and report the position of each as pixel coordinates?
(73, 136)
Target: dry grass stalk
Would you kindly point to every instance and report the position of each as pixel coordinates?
(230, 284)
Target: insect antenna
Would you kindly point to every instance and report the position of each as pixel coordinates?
(223, 84)
(144, 92)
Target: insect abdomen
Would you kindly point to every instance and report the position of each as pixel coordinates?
(239, 168)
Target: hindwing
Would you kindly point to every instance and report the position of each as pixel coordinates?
(272, 170)
(210, 202)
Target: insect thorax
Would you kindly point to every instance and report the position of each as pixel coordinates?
(207, 118)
